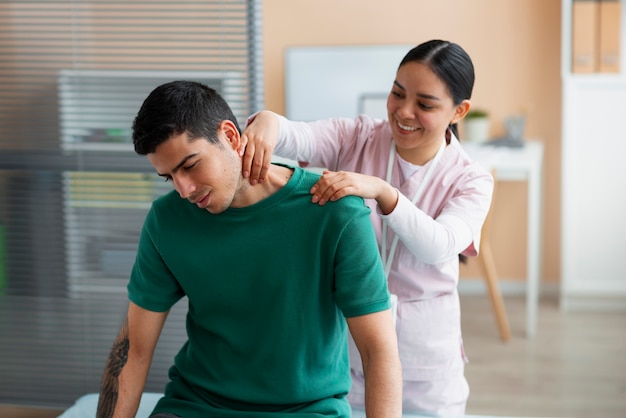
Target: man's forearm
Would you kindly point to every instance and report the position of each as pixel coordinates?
(109, 386)
(383, 388)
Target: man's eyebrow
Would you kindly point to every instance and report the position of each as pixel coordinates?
(423, 96)
(182, 163)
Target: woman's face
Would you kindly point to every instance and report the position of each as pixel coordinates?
(419, 109)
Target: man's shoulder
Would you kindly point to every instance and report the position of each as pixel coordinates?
(310, 178)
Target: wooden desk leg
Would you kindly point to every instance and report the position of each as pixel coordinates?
(489, 270)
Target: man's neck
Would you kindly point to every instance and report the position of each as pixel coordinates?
(277, 178)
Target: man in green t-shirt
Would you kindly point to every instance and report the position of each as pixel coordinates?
(274, 282)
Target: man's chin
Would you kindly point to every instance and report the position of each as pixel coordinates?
(214, 211)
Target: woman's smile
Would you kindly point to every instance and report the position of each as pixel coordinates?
(406, 127)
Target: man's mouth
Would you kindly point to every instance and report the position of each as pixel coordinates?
(202, 202)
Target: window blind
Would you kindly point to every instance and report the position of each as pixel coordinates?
(73, 192)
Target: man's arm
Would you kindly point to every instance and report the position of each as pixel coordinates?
(127, 367)
(375, 337)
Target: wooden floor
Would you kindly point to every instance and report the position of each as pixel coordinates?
(574, 367)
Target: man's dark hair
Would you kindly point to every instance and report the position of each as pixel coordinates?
(178, 107)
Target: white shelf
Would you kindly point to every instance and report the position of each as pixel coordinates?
(593, 199)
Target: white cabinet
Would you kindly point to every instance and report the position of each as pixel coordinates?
(593, 205)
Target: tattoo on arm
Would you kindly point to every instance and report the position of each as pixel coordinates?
(110, 378)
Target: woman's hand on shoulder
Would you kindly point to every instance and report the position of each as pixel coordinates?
(258, 141)
(333, 185)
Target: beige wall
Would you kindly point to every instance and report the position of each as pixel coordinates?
(515, 46)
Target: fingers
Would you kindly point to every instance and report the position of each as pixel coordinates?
(255, 163)
(332, 186)
(248, 156)
(260, 166)
(260, 136)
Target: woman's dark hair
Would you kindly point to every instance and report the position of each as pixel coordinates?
(450, 63)
(178, 107)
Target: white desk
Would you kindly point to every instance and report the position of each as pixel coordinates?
(521, 164)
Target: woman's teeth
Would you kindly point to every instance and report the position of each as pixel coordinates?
(406, 128)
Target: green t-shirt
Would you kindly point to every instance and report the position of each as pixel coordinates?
(267, 286)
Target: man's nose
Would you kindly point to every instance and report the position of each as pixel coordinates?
(184, 186)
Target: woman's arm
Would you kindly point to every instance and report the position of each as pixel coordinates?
(430, 240)
(452, 232)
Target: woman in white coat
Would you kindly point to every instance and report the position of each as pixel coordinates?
(428, 199)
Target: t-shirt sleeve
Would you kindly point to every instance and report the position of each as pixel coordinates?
(360, 283)
(152, 285)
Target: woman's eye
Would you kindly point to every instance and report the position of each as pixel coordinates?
(190, 166)
(166, 179)
(425, 106)
(396, 94)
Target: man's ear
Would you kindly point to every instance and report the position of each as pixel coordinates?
(231, 133)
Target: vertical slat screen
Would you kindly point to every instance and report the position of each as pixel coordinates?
(73, 194)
